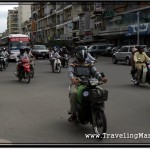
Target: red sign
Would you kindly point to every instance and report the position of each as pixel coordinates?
(17, 39)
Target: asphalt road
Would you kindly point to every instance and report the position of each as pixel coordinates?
(36, 113)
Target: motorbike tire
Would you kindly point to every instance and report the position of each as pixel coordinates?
(59, 69)
(27, 77)
(101, 124)
(1, 66)
(32, 73)
(19, 78)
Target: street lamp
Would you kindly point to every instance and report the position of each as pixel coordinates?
(138, 28)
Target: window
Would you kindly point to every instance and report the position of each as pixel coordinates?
(94, 47)
(125, 49)
(121, 49)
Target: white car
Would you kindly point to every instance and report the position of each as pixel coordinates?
(40, 51)
(13, 54)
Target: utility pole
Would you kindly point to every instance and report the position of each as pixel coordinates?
(138, 20)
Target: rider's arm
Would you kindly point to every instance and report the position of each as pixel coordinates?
(71, 75)
(147, 58)
(90, 57)
(135, 57)
(97, 75)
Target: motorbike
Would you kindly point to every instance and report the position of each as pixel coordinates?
(145, 75)
(90, 105)
(24, 70)
(56, 65)
(2, 64)
(66, 60)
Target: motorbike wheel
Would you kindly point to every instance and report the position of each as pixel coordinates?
(32, 73)
(101, 124)
(27, 77)
(19, 78)
(59, 68)
(66, 64)
(1, 66)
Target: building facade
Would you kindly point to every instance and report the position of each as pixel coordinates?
(88, 22)
(12, 21)
(24, 13)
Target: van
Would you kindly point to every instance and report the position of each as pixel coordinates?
(98, 49)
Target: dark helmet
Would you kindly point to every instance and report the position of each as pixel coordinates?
(22, 50)
(80, 48)
(27, 49)
(81, 53)
(141, 48)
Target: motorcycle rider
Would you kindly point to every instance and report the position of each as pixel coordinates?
(133, 69)
(30, 56)
(55, 55)
(62, 53)
(19, 58)
(79, 68)
(2, 55)
(140, 59)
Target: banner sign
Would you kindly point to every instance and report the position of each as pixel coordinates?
(143, 29)
(16, 39)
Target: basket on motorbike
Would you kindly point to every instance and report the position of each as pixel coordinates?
(98, 95)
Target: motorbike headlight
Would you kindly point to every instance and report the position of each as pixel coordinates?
(85, 93)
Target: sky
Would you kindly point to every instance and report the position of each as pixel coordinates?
(4, 7)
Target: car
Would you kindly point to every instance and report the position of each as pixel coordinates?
(124, 54)
(40, 51)
(98, 49)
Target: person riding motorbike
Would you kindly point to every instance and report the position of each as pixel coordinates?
(133, 69)
(55, 55)
(62, 53)
(19, 58)
(30, 56)
(80, 69)
(140, 59)
(2, 55)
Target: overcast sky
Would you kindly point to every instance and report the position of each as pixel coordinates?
(4, 7)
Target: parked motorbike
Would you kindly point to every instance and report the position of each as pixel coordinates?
(56, 65)
(145, 75)
(24, 70)
(90, 105)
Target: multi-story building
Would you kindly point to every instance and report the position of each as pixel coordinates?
(12, 21)
(24, 13)
(86, 23)
(122, 27)
(64, 21)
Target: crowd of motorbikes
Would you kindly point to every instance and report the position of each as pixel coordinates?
(90, 108)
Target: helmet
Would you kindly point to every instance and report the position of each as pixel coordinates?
(80, 48)
(81, 53)
(27, 49)
(134, 49)
(22, 50)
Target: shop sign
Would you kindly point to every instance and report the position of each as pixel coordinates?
(143, 29)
